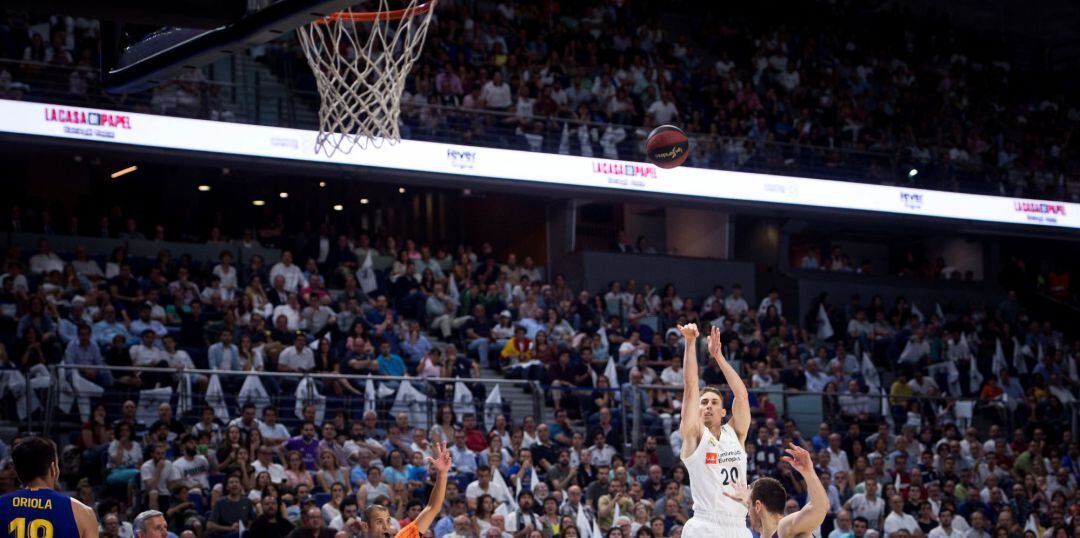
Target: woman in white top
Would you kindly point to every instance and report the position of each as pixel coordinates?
(398, 269)
(124, 451)
(332, 508)
(562, 333)
(431, 365)
(485, 506)
(670, 294)
(259, 301)
(116, 259)
(443, 430)
(330, 474)
(262, 485)
(495, 445)
(226, 272)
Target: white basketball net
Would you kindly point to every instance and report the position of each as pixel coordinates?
(360, 69)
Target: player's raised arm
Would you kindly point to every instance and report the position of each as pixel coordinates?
(740, 405)
(810, 517)
(690, 424)
(442, 463)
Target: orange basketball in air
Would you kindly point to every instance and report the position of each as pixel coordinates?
(667, 146)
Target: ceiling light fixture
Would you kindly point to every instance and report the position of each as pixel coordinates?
(125, 171)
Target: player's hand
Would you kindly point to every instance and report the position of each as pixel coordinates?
(740, 493)
(689, 331)
(716, 347)
(442, 460)
(799, 458)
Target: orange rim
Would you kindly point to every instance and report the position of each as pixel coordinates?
(371, 16)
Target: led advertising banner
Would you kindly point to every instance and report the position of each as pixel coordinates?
(76, 123)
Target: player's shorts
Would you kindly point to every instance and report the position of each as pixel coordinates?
(715, 525)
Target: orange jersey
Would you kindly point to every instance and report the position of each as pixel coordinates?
(410, 531)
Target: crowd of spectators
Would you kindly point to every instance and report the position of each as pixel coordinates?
(997, 456)
(885, 96)
(759, 87)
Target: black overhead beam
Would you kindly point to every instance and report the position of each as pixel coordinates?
(162, 57)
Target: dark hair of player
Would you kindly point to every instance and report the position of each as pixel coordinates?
(771, 493)
(33, 456)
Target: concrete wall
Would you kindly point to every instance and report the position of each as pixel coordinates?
(65, 244)
(840, 287)
(650, 221)
(692, 277)
(697, 233)
(759, 240)
(958, 252)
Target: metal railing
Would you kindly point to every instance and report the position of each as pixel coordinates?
(428, 407)
(808, 409)
(558, 133)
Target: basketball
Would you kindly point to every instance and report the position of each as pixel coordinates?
(667, 146)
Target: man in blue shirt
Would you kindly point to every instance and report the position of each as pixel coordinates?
(390, 364)
(69, 326)
(108, 327)
(224, 355)
(382, 319)
(82, 351)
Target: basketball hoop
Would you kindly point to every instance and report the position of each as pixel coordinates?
(361, 60)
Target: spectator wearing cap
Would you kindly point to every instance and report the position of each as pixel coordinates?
(503, 330)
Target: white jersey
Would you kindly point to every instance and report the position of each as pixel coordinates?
(715, 467)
